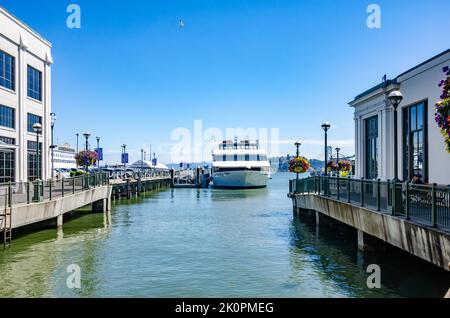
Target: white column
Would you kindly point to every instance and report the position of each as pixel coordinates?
(361, 147)
(358, 158)
(21, 126)
(381, 141)
(46, 134)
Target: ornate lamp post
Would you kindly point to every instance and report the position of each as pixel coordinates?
(395, 98)
(337, 158)
(98, 149)
(37, 128)
(297, 145)
(124, 148)
(326, 126)
(52, 146)
(77, 141)
(86, 135)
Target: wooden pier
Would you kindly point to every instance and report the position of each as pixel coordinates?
(128, 188)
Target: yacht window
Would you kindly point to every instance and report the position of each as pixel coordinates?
(235, 157)
(258, 158)
(247, 157)
(224, 158)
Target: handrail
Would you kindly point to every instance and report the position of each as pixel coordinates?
(421, 203)
(42, 190)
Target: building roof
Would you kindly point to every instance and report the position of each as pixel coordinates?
(395, 80)
(24, 25)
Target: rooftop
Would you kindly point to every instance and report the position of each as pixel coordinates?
(24, 25)
(394, 81)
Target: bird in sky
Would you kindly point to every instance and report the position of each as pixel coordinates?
(181, 24)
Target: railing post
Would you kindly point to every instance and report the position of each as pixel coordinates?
(9, 197)
(362, 191)
(337, 180)
(407, 201)
(389, 197)
(348, 189)
(433, 206)
(317, 184)
(73, 185)
(82, 183)
(28, 192)
(62, 187)
(50, 188)
(394, 197)
(378, 195)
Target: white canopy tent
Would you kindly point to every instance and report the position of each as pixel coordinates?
(147, 164)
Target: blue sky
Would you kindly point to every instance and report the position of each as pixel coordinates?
(131, 75)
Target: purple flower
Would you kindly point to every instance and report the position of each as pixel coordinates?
(441, 83)
(445, 69)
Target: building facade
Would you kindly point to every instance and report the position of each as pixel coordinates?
(421, 148)
(25, 99)
(64, 157)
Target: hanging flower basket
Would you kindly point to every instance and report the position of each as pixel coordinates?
(442, 115)
(86, 158)
(332, 165)
(299, 165)
(345, 165)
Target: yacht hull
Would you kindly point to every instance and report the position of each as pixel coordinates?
(240, 179)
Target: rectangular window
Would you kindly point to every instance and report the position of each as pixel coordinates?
(235, 157)
(7, 140)
(34, 83)
(247, 157)
(7, 165)
(32, 160)
(33, 119)
(7, 116)
(372, 148)
(7, 71)
(413, 139)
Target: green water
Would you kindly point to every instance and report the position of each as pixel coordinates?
(208, 243)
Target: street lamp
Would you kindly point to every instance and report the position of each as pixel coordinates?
(337, 158)
(124, 147)
(395, 98)
(37, 128)
(297, 145)
(77, 142)
(326, 126)
(86, 136)
(52, 146)
(98, 150)
(142, 161)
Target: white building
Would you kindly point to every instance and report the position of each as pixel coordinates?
(421, 147)
(64, 157)
(25, 98)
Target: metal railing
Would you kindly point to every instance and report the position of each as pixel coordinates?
(427, 204)
(19, 193)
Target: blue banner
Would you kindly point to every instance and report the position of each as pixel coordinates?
(124, 158)
(99, 152)
(154, 162)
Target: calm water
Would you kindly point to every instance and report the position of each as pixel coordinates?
(208, 243)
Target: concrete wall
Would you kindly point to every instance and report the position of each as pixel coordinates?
(37, 212)
(427, 243)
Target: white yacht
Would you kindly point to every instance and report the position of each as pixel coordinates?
(240, 165)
